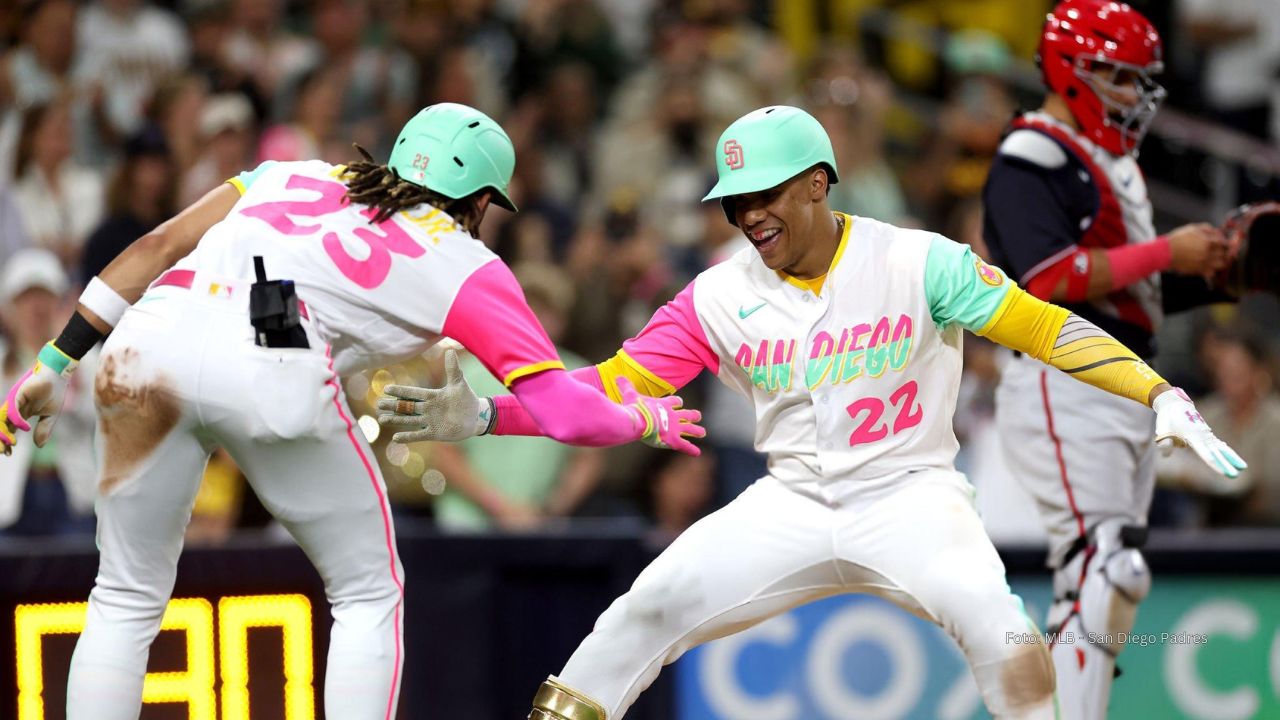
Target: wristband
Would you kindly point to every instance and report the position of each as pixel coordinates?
(77, 338)
(105, 302)
(56, 360)
(488, 416)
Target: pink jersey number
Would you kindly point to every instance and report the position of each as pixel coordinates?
(276, 214)
(382, 239)
(909, 414)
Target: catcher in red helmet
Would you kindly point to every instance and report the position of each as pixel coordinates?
(1067, 214)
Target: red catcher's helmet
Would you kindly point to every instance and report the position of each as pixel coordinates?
(1100, 56)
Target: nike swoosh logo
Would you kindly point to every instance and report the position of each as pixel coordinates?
(744, 314)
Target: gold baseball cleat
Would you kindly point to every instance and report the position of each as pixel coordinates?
(555, 701)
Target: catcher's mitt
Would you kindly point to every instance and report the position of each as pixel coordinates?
(1253, 235)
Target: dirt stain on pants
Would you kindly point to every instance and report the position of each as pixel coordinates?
(134, 415)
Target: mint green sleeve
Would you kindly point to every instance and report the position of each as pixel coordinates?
(960, 287)
(245, 180)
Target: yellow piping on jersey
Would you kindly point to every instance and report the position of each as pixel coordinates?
(528, 370)
(815, 285)
(238, 185)
(623, 365)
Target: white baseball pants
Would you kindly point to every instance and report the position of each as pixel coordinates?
(916, 541)
(179, 376)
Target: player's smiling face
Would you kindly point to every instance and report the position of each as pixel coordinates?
(783, 222)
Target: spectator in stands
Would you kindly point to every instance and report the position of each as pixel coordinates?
(313, 132)
(48, 490)
(13, 232)
(680, 490)
(59, 200)
(526, 482)
(662, 161)
(128, 47)
(227, 129)
(969, 128)
(1241, 43)
(260, 46)
(210, 25)
(1245, 411)
(176, 110)
(567, 132)
(39, 70)
(140, 197)
(851, 101)
(549, 34)
(378, 83)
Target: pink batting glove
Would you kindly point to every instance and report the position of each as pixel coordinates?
(666, 423)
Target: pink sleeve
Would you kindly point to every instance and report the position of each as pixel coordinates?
(673, 346)
(491, 318)
(513, 419)
(559, 406)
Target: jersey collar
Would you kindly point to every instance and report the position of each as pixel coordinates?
(820, 281)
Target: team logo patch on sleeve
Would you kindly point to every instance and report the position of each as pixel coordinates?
(989, 275)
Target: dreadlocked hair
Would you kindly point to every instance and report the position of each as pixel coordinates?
(382, 188)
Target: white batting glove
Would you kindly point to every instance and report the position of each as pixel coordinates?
(1179, 423)
(37, 394)
(444, 414)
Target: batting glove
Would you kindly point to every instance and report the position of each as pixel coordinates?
(445, 414)
(666, 423)
(1179, 423)
(37, 394)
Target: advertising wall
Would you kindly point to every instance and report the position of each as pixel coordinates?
(1204, 648)
(488, 618)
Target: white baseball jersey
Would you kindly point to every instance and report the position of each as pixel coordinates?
(855, 381)
(181, 374)
(377, 293)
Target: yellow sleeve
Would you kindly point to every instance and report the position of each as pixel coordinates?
(623, 365)
(1054, 335)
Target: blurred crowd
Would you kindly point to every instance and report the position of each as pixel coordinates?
(116, 113)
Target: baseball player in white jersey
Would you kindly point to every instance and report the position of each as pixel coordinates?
(379, 262)
(1067, 213)
(845, 334)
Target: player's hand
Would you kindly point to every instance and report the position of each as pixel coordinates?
(37, 394)
(445, 414)
(667, 424)
(1179, 423)
(1198, 249)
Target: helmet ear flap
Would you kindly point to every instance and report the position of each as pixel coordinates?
(730, 209)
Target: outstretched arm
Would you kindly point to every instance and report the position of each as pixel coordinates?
(38, 393)
(491, 318)
(965, 290)
(666, 355)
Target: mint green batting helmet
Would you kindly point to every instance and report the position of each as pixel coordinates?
(767, 147)
(455, 150)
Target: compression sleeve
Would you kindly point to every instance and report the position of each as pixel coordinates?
(1070, 343)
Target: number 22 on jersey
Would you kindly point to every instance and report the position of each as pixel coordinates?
(872, 409)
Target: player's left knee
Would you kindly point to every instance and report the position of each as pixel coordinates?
(1021, 684)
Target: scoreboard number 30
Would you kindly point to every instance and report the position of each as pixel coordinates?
(193, 686)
